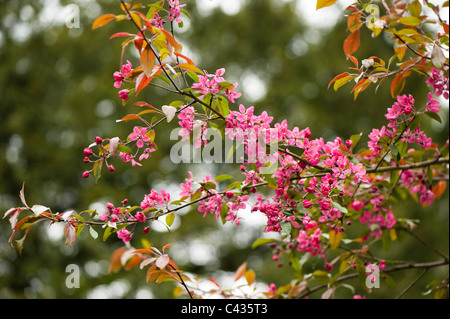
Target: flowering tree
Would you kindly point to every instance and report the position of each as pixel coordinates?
(310, 190)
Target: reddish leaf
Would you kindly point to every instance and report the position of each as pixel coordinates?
(121, 34)
(240, 271)
(337, 77)
(70, 233)
(143, 103)
(351, 44)
(17, 227)
(166, 246)
(102, 20)
(141, 82)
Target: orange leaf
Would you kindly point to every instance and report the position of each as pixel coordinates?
(250, 276)
(102, 20)
(240, 271)
(189, 67)
(166, 246)
(354, 21)
(130, 117)
(141, 82)
(176, 46)
(360, 86)
(398, 83)
(143, 251)
(133, 262)
(324, 3)
(189, 61)
(439, 188)
(147, 60)
(351, 44)
(337, 77)
(115, 264)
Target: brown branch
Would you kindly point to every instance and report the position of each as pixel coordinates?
(387, 270)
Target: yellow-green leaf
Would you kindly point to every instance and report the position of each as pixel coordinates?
(169, 219)
(412, 21)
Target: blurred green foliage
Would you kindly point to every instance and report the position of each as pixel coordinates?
(57, 94)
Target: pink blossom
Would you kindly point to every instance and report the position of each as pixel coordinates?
(175, 10)
(139, 136)
(186, 189)
(140, 217)
(124, 234)
(187, 118)
(119, 76)
(129, 158)
(432, 105)
(123, 94)
(439, 83)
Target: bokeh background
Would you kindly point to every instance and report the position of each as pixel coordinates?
(57, 94)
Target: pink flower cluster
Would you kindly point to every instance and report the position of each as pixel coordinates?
(400, 112)
(156, 200)
(175, 10)
(377, 222)
(141, 139)
(114, 215)
(439, 83)
(417, 184)
(210, 84)
(119, 78)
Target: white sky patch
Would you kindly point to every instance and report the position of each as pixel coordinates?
(253, 87)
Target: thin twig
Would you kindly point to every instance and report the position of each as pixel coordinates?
(412, 284)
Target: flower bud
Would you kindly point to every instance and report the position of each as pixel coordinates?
(146, 230)
(98, 140)
(111, 168)
(86, 174)
(86, 160)
(87, 151)
(229, 194)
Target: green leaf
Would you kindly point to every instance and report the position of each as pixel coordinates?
(93, 233)
(169, 219)
(433, 116)
(286, 227)
(355, 139)
(98, 170)
(224, 212)
(340, 208)
(107, 233)
(262, 241)
(223, 177)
